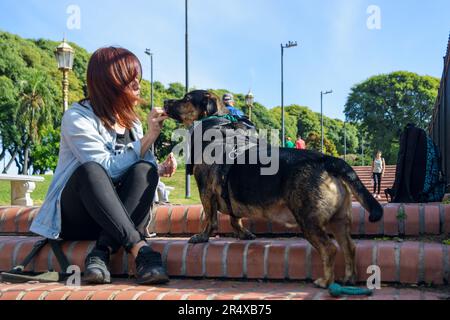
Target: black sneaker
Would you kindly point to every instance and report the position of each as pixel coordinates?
(96, 267)
(149, 268)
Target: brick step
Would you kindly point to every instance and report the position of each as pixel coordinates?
(369, 175)
(189, 289)
(365, 174)
(384, 185)
(271, 259)
(390, 173)
(388, 167)
(387, 175)
(384, 182)
(398, 220)
(369, 169)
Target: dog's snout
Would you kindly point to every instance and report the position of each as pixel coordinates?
(166, 106)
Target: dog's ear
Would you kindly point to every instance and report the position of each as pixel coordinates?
(211, 104)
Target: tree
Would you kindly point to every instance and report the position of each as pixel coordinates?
(383, 105)
(44, 155)
(290, 123)
(19, 60)
(8, 103)
(314, 142)
(176, 90)
(34, 110)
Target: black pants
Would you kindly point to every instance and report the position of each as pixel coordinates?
(95, 208)
(376, 182)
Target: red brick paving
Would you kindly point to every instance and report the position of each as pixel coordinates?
(179, 289)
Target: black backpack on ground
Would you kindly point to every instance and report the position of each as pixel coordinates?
(419, 178)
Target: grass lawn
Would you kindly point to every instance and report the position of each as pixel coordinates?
(176, 197)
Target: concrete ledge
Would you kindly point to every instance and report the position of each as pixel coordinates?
(21, 188)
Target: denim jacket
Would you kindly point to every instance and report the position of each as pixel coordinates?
(84, 139)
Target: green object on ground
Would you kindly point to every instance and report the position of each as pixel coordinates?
(336, 291)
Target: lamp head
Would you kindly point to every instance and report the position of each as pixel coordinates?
(249, 98)
(64, 55)
(290, 44)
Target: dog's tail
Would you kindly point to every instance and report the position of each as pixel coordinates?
(343, 170)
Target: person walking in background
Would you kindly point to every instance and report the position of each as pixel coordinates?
(300, 144)
(289, 143)
(378, 167)
(228, 101)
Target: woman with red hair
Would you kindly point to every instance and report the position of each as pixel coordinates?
(106, 176)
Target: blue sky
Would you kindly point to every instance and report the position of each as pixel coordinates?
(235, 44)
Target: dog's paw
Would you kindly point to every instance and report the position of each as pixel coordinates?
(246, 236)
(350, 280)
(321, 283)
(199, 238)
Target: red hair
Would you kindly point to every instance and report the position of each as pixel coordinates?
(110, 72)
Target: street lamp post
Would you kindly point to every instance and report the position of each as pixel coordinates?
(362, 150)
(345, 140)
(150, 54)
(290, 44)
(188, 177)
(64, 54)
(321, 116)
(249, 100)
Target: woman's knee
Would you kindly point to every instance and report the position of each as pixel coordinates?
(145, 169)
(91, 169)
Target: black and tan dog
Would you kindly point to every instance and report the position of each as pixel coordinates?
(310, 189)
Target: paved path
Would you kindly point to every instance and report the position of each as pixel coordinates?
(180, 289)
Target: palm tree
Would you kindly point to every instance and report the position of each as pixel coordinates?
(34, 110)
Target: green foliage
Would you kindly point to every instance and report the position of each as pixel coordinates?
(385, 104)
(35, 110)
(314, 142)
(45, 154)
(8, 107)
(358, 160)
(290, 123)
(401, 215)
(30, 92)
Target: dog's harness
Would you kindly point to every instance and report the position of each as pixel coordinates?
(222, 124)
